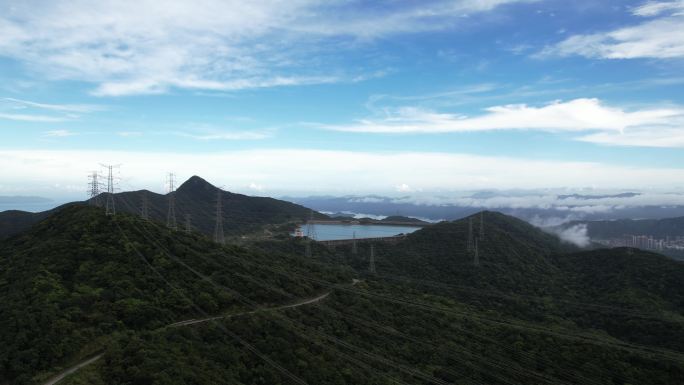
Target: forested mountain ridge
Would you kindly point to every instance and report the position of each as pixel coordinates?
(196, 197)
(80, 277)
(533, 311)
(195, 200)
(533, 275)
(512, 254)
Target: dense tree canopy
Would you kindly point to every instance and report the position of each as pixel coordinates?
(534, 311)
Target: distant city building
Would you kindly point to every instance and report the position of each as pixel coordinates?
(645, 242)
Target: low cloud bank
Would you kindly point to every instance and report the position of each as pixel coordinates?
(576, 235)
(547, 200)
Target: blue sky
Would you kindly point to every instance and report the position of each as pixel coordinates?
(345, 96)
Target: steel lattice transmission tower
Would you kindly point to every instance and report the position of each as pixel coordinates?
(476, 255)
(219, 236)
(355, 249)
(310, 235)
(94, 188)
(145, 209)
(171, 215)
(188, 223)
(372, 259)
(482, 225)
(310, 229)
(110, 208)
(470, 234)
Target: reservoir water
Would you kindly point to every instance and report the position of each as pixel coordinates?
(329, 232)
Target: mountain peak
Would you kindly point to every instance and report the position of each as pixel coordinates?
(196, 183)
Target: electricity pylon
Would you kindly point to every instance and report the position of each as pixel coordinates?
(310, 235)
(481, 224)
(219, 236)
(470, 234)
(94, 188)
(355, 250)
(145, 210)
(476, 255)
(110, 208)
(171, 214)
(188, 224)
(310, 229)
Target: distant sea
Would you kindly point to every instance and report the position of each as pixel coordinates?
(30, 206)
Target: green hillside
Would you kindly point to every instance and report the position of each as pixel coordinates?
(533, 312)
(196, 197)
(511, 252)
(195, 200)
(529, 274)
(80, 277)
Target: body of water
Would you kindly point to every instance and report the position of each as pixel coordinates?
(328, 232)
(31, 207)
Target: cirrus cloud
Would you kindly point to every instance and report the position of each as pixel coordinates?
(659, 38)
(147, 47)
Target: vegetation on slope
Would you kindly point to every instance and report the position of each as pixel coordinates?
(196, 197)
(533, 311)
(80, 275)
(380, 333)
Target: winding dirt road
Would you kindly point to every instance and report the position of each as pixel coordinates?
(296, 304)
(72, 369)
(54, 380)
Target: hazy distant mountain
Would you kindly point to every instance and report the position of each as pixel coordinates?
(659, 228)
(541, 208)
(587, 197)
(27, 203)
(15, 221)
(17, 199)
(400, 218)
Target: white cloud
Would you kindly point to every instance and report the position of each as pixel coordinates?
(576, 235)
(657, 127)
(312, 171)
(28, 111)
(403, 188)
(256, 187)
(227, 135)
(574, 206)
(31, 118)
(127, 134)
(657, 136)
(77, 108)
(143, 46)
(655, 8)
(59, 133)
(661, 38)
